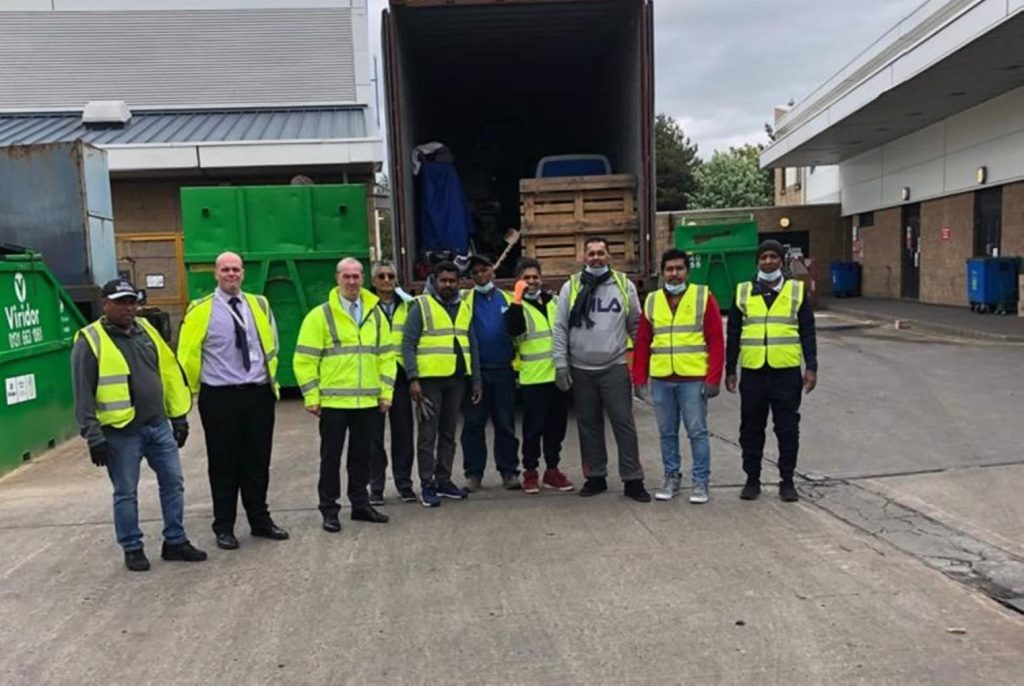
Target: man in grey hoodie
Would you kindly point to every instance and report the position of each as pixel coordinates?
(598, 313)
(439, 352)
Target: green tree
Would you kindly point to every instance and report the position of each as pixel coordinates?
(732, 179)
(675, 161)
(382, 186)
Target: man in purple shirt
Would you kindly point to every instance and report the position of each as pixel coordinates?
(228, 349)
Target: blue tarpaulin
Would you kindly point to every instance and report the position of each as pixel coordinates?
(445, 222)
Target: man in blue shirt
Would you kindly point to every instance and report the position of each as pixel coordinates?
(489, 305)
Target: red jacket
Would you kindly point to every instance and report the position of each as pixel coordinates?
(713, 336)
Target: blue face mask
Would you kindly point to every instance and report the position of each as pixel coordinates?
(597, 271)
(486, 288)
(769, 276)
(675, 289)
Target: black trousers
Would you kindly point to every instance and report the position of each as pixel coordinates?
(239, 425)
(402, 449)
(778, 390)
(545, 415)
(360, 426)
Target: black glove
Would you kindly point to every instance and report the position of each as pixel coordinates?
(180, 431)
(99, 454)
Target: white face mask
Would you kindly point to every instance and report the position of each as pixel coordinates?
(531, 296)
(675, 289)
(486, 288)
(597, 271)
(769, 276)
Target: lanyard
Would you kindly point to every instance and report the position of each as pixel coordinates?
(242, 321)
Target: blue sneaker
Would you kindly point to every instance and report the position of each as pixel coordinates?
(429, 497)
(446, 489)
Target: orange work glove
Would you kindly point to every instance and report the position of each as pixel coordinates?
(517, 295)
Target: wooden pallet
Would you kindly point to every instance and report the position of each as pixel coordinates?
(559, 214)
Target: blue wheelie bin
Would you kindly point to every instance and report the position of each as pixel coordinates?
(992, 284)
(845, 278)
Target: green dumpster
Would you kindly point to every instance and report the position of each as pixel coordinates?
(290, 237)
(722, 254)
(36, 335)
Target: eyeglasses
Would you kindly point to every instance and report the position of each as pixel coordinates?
(386, 276)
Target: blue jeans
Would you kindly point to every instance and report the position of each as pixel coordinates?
(127, 448)
(499, 403)
(682, 399)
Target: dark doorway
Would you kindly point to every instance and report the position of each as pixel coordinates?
(910, 286)
(988, 221)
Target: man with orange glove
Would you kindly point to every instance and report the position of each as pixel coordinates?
(545, 408)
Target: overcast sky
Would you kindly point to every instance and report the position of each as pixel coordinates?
(722, 65)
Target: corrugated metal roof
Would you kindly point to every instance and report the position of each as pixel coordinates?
(193, 126)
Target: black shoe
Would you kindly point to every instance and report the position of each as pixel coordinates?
(593, 486)
(635, 490)
(368, 514)
(376, 497)
(136, 560)
(332, 524)
(787, 491)
(751, 489)
(227, 542)
(182, 552)
(271, 531)
(407, 495)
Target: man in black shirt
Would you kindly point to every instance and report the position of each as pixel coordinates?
(770, 334)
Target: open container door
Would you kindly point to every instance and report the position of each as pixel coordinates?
(648, 180)
(400, 217)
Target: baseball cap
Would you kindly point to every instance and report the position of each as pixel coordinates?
(120, 288)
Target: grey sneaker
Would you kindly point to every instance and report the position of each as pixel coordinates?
(669, 490)
(699, 492)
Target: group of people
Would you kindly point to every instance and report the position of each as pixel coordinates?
(367, 357)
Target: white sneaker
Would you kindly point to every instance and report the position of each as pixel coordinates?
(699, 493)
(669, 490)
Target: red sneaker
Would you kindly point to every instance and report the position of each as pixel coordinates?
(554, 478)
(530, 483)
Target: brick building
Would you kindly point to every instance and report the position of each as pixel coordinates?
(925, 134)
(219, 92)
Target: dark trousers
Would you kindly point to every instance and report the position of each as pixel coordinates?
(239, 425)
(499, 403)
(435, 439)
(360, 426)
(595, 392)
(778, 390)
(545, 415)
(400, 416)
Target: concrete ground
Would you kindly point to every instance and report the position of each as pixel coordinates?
(907, 439)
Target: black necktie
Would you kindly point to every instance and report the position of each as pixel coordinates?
(241, 337)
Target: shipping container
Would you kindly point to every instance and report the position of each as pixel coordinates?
(55, 200)
(290, 238)
(36, 334)
(506, 83)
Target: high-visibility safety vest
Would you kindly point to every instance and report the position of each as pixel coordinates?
(398, 329)
(196, 326)
(113, 394)
(342, 364)
(678, 347)
(620, 279)
(770, 335)
(536, 361)
(435, 354)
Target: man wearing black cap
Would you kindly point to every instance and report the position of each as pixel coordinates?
(127, 385)
(489, 304)
(770, 333)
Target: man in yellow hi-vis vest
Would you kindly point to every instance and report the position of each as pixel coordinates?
(545, 407)
(439, 352)
(394, 304)
(228, 348)
(345, 366)
(770, 334)
(127, 385)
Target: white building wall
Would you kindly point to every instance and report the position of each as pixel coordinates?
(821, 185)
(941, 159)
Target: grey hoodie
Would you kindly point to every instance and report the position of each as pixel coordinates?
(604, 345)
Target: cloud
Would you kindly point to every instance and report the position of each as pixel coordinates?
(722, 65)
